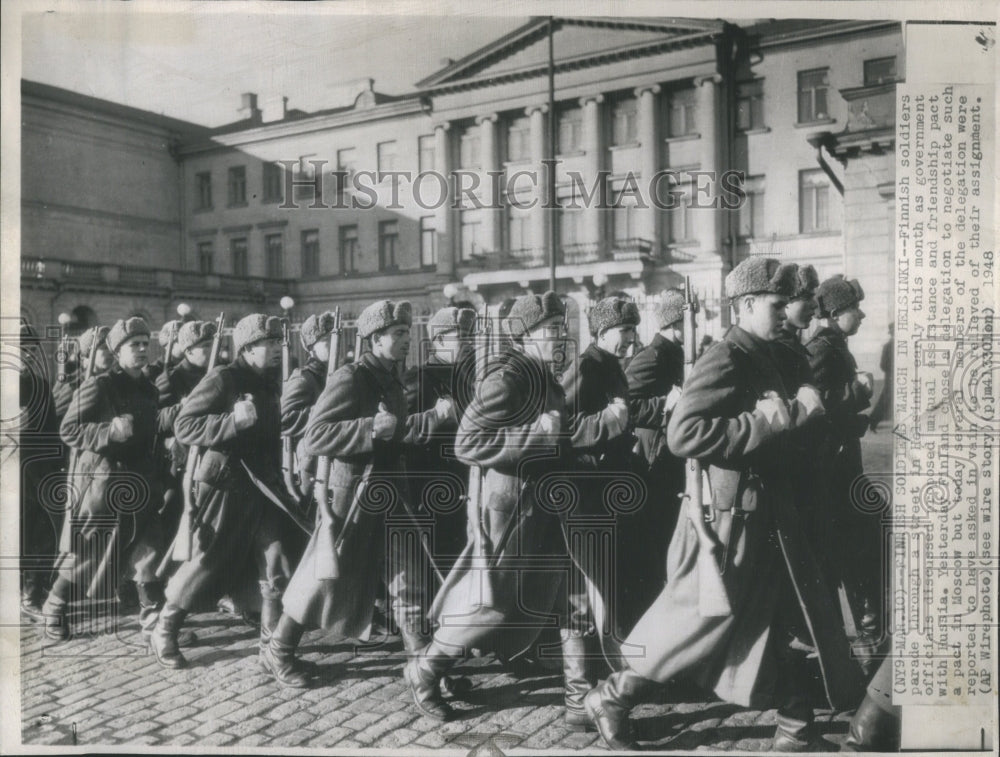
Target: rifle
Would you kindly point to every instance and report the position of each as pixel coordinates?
(171, 338)
(712, 598)
(326, 550)
(181, 548)
(287, 453)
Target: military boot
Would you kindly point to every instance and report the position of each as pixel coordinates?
(795, 731)
(31, 597)
(872, 729)
(270, 613)
(54, 610)
(414, 640)
(608, 706)
(575, 681)
(163, 639)
(151, 601)
(423, 673)
(279, 655)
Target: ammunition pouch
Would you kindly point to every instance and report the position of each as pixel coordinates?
(213, 469)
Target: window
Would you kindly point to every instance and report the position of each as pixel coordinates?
(469, 153)
(623, 219)
(238, 252)
(751, 212)
(815, 213)
(428, 241)
(518, 139)
(813, 87)
(346, 166)
(517, 230)
(880, 71)
(471, 230)
(273, 183)
(679, 226)
(275, 255)
(427, 155)
(623, 122)
(237, 186)
(750, 105)
(569, 226)
(206, 251)
(310, 252)
(570, 130)
(348, 248)
(306, 174)
(386, 156)
(681, 113)
(388, 243)
(203, 190)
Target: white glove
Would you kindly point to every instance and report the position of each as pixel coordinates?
(245, 414)
(444, 408)
(867, 382)
(121, 428)
(672, 398)
(384, 423)
(774, 412)
(809, 402)
(549, 425)
(616, 416)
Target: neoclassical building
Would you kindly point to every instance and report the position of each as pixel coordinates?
(653, 122)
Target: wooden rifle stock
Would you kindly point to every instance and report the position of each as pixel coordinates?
(713, 601)
(287, 453)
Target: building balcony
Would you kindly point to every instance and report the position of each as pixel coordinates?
(159, 281)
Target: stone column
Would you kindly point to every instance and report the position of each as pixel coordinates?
(591, 220)
(649, 162)
(447, 252)
(490, 163)
(538, 215)
(707, 221)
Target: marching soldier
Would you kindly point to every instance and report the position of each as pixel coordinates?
(63, 391)
(40, 454)
(448, 372)
(167, 336)
(303, 388)
(789, 353)
(360, 422)
(194, 340)
(233, 415)
(655, 376)
(596, 398)
(511, 430)
(111, 422)
(732, 416)
(855, 537)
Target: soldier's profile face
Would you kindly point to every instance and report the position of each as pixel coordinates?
(392, 343)
(763, 315)
(547, 339)
(102, 359)
(800, 312)
(133, 354)
(322, 349)
(198, 355)
(849, 321)
(263, 354)
(617, 339)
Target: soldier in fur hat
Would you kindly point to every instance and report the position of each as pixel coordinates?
(733, 416)
(63, 390)
(233, 415)
(855, 549)
(360, 421)
(169, 331)
(112, 422)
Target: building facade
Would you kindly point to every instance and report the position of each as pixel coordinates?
(399, 196)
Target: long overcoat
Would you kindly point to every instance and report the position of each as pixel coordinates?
(298, 396)
(340, 427)
(763, 544)
(115, 485)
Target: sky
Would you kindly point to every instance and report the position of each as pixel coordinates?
(195, 64)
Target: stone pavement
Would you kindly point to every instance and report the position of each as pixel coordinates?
(106, 689)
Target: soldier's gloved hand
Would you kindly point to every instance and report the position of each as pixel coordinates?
(445, 408)
(809, 403)
(384, 425)
(245, 414)
(867, 383)
(616, 416)
(671, 402)
(773, 411)
(121, 428)
(549, 425)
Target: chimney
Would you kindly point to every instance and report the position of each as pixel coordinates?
(249, 108)
(274, 108)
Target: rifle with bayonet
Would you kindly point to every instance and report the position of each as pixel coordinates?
(293, 486)
(713, 601)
